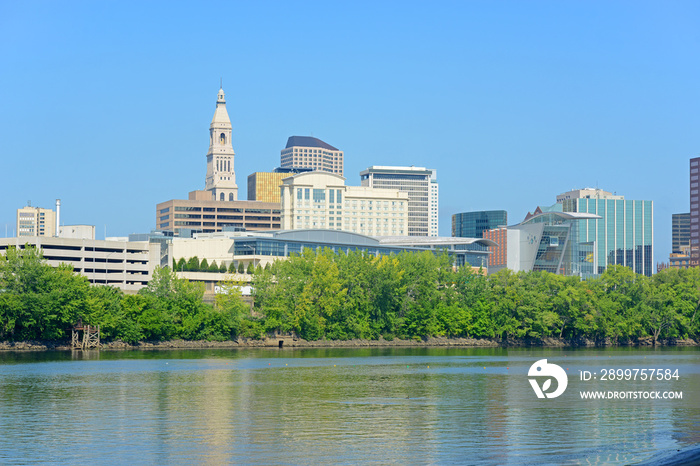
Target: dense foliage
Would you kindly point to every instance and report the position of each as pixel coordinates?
(338, 296)
(40, 302)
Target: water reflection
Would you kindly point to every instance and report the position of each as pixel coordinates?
(334, 405)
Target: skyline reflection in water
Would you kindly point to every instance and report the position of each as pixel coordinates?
(269, 406)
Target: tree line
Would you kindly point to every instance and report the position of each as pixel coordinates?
(327, 295)
(193, 264)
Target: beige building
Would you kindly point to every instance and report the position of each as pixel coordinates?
(126, 265)
(318, 200)
(421, 185)
(221, 176)
(265, 186)
(201, 213)
(587, 193)
(312, 153)
(35, 221)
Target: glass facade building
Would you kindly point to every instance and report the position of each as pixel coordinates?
(680, 232)
(473, 224)
(550, 240)
(468, 251)
(623, 235)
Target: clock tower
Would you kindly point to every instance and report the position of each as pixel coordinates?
(221, 177)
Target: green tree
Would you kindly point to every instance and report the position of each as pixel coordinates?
(241, 270)
(204, 265)
(192, 264)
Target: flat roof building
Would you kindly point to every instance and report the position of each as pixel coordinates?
(695, 212)
(320, 200)
(36, 221)
(680, 232)
(265, 186)
(473, 224)
(312, 153)
(125, 265)
(420, 184)
(201, 213)
(623, 235)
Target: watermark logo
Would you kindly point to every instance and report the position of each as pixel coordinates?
(542, 368)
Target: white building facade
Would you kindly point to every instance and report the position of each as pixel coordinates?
(319, 200)
(126, 265)
(420, 184)
(221, 176)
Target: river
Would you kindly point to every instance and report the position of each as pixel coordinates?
(343, 406)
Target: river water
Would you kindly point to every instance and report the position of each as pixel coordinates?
(341, 406)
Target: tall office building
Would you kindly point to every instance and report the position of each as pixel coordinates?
(694, 212)
(309, 152)
(221, 177)
(317, 200)
(680, 232)
(421, 185)
(473, 224)
(35, 221)
(624, 235)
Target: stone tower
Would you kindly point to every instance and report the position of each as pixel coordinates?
(221, 177)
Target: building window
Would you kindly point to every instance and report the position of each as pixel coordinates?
(221, 197)
(230, 196)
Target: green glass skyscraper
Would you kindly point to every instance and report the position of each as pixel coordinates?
(625, 233)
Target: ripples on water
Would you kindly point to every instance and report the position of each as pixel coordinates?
(382, 406)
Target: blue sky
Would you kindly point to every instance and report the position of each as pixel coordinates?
(106, 105)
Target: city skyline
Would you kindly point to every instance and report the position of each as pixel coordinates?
(511, 103)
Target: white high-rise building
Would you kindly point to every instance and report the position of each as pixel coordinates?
(221, 177)
(421, 185)
(320, 200)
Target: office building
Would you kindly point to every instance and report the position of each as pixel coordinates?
(473, 224)
(35, 221)
(220, 181)
(126, 265)
(312, 153)
(201, 213)
(318, 200)
(265, 186)
(680, 232)
(624, 233)
(694, 212)
(420, 184)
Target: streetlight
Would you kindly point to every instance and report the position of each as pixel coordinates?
(253, 248)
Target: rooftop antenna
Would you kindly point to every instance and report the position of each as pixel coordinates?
(221, 83)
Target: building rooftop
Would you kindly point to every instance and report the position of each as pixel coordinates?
(308, 141)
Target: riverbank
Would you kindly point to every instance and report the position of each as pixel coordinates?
(286, 341)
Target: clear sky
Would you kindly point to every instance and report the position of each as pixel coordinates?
(107, 104)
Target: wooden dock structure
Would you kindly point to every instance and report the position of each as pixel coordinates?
(85, 336)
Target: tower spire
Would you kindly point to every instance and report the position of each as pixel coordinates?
(221, 176)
